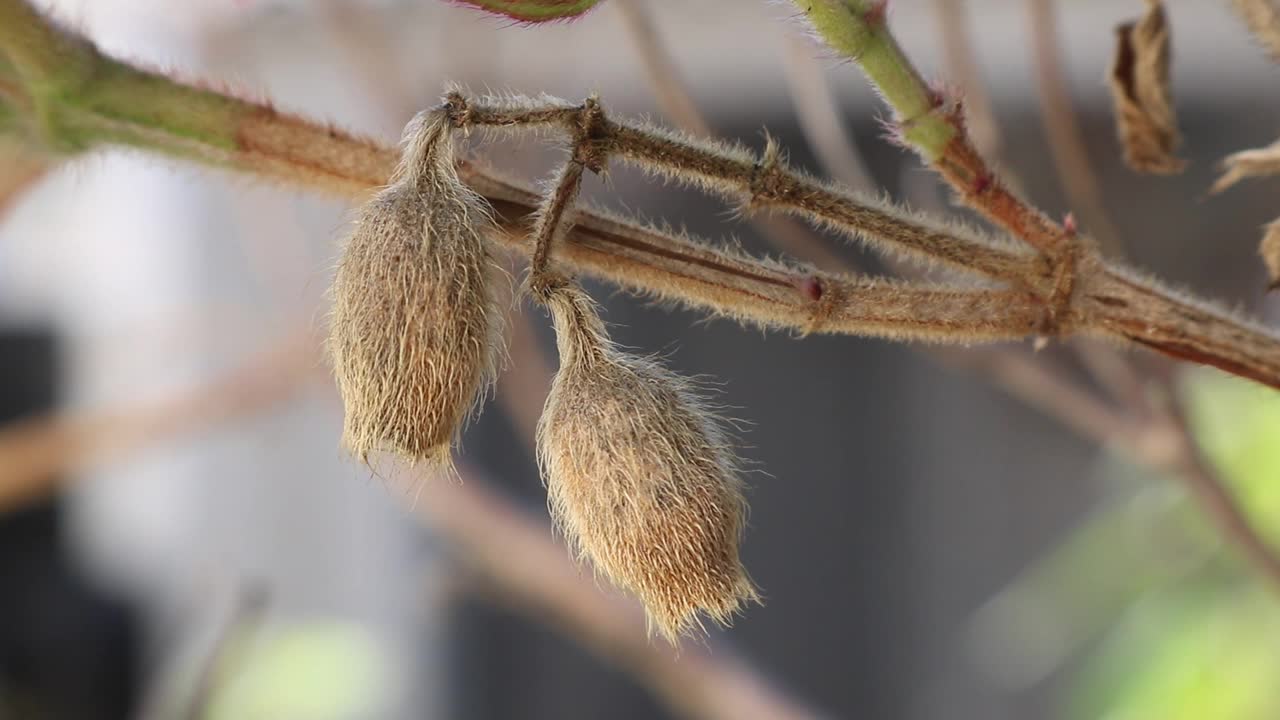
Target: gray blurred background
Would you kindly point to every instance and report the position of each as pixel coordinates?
(896, 496)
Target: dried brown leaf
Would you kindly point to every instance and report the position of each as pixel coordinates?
(1248, 163)
(1139, 80)
(1263, 19)
(1269, 249)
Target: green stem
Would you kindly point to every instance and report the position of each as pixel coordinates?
(857, 29)
(133, 107)
(76, 98)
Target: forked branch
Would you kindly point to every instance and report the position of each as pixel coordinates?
(86, 100)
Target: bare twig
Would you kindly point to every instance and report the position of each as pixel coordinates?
(532, 573)
(246, 616)
(660, 70)
(511, 551)
(1062, 127)
(1211, 494)
(962, 64)
(678, 104)
(820, 118)
(176, 695)
(35, 453)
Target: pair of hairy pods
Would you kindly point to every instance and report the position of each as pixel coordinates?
(639, 476)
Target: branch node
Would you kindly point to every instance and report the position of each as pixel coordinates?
(769, 179)
(825, 299)
(591, 136)
(1066, 265)
(457, 110)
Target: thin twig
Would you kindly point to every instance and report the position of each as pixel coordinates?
(246, 616)
(1212, 494)
(36, 452)
(678, 104)
(514, 553)
(820, 118)
(659, 69)
(1033, 382)
(174, 693)
(962, 66)
(1062, 127)
(533, 574)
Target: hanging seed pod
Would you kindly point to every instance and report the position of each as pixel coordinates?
(639, 477)
(414, 333)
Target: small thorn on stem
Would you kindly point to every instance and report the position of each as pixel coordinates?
(877, 14)
(810, 287)
(892, 133)
(938, 94)
(982, 182)
(1069, 224)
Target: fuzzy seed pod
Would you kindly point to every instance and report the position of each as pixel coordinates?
(639, 476)
(414, 334)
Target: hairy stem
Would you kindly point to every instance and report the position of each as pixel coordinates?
(921, 112)
(124, 105)
(858, 29)
(1062, 128)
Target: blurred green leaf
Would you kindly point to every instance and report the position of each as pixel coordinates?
(1237, 422)
(1189, 655)
(316, 671)
(1207, 646)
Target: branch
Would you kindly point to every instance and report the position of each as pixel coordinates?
(678, 104)
(512, 552)
(119, 104)
(1062, 128)
(35, 453)
(821, 119)
(1162, 439)
(980, 115)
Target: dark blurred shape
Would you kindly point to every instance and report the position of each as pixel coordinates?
(67, 652)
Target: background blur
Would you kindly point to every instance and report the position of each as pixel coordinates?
(928, 546)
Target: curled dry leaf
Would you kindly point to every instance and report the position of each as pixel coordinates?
(414, 334)
(1248, 163)
(1139, 80)
(1263, 19)
(639, 475)
(1269, 249)
(534, 11)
